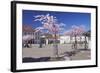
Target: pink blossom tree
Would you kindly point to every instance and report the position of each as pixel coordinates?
(74, 32)
(50, 23)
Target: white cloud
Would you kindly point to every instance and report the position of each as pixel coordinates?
(62, 25)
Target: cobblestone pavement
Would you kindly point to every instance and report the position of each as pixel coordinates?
(49, 51)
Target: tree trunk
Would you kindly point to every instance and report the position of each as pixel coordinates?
(75, 45)
(85, 47)
(56, 45)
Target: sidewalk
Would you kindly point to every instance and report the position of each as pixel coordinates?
(48, 51)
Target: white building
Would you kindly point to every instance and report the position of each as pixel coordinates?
(64, 39)
(68, 39)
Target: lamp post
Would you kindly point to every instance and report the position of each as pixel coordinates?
(41, 41)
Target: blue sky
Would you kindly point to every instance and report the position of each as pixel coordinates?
(67, 18)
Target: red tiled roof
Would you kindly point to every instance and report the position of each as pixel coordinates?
(27, 28)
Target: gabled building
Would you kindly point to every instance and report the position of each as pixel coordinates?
(29, 31)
